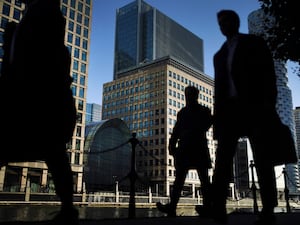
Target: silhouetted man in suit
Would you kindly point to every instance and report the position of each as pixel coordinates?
(245, 105)
(38, 113)
(188, 145)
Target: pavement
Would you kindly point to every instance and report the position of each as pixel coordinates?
(235, 218)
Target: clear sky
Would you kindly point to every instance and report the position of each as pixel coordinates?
(198, 16)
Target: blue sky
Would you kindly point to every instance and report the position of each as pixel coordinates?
(198, 16)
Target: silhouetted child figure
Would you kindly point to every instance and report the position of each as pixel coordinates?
(188, 145)
(38, 113)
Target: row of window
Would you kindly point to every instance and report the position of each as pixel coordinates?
(187, 82)
(78, 91)
(79, 5)
(151, 162)
(128, 92)
(191, 175)
(76, 65)
(131, 108)
(16, 14)
(81, 79)
(141, 79)
(147, 133)
(181, 88)
(81, 16)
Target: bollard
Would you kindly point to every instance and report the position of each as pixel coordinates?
(286, 192)
(253, 187)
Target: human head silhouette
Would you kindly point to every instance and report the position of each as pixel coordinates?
(191, 94)
(229, 22)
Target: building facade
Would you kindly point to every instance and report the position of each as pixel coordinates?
(78, 14)
(148, 98)
(144, 34)
(284, 104)
(155, 59)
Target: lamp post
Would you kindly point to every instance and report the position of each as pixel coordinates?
(132, 177)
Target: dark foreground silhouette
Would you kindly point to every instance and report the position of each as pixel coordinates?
(38, 113)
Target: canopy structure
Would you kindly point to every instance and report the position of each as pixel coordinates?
(107, 154)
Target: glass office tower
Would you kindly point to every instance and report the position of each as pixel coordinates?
(144, 34)
(78, 14)
(93, 112)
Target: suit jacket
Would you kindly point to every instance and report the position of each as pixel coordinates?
(254, 77)
(189, 133)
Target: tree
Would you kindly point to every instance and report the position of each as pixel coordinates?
(284, 37)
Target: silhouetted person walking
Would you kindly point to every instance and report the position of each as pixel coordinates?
(38, 113)
(188, 145)
(245, 99)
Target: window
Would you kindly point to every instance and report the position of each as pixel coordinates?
(3, 22)
(79, 18)
(78, 29)
(77, 41)
(83, 56)
(78, 131)
(80, 6)
(85, 32)
(6, 9)
(86, 21)
(18, 3)
(82, 80)
(84, 44)
(71, 26)
(70, 38)
(74, 90)
(81, 92)
(73, 3)
(83, 68)
(80, 105)
(75, 77)
(76, 53)
(87, 10)
(17, 14)
(77, 157)
(72, 14)
(75, 65)
(64, 10)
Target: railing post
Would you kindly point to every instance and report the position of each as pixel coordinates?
(150, 195)
(83, 197)
(132, 177)
(27, 190)
(117, 192)
(286, 192)
(254, 189)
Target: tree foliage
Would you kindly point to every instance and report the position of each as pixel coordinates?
(284, 36)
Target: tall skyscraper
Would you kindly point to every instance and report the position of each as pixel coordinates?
(284, 104)
(93, 112)
(144, 34)
(78, 15)
(152, 69)
(297, 130)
